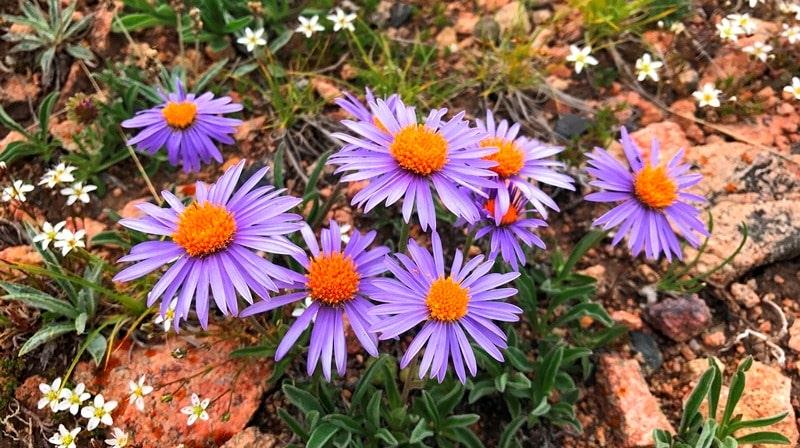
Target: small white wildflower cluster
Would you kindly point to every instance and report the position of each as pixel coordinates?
(646, 67)
(197, 410)
(16, 191)
(707, 96)
(61, 237)
(61, 174)
(735, 25)
(581, 57)
(340, 19)
(97, 411)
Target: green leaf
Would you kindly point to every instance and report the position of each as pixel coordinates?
(466, 437)
(546, 379)
(586, 243)
(342, 421)
(293, 424)
(80, 52)
(386, 436)
(695, 399)
(755, 423)
(9, 122)
(455, 421)
(420, 432)
(37, 299)
(19, 149)
(500, 382)
(663, 439)
(256, 351)
(321, 435)
(541, 409)
(311, 186)
(137, 21)
(764, 437)
(305, 401)
(508, 437)
(210, 74)
(96, 346)
(373, 411)
(46, 61)
(278, 164)
(46, 333)
(80, 323)
(281, 40)
(431, 410)
(367, 378)
(237, 24)
(244, 69)
(480, 390)
(111, 238)
(735, 391)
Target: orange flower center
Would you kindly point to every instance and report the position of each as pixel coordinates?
(510, 159)
(447, 300)
(204, 229)
(419, 150)
(654, 187)
(510, 217)
(179, 115)
(332, 279)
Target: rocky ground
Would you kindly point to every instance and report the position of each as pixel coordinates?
(751, 168)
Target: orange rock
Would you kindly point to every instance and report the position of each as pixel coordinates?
(686, 108)
(325, 88)
(731, 63)
(634, 411)
(11, 137)
(21, 254)
(465, 23)
(630, 320)
(235, 385)
(91, 226)
(446, 38)
(252, 438)
(19, 89)
(131, 209)
(249, 127)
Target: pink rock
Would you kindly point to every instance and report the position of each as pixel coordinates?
(633, 410)
(680, 319)
(235, 387)
(252, 438)
(131, 209)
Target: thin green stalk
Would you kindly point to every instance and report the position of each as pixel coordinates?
(403, 241)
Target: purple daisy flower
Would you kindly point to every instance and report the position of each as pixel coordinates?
(521, 162)
(514, 226)
(403, 158)
(452, 306)
(361, 111)
(337, 282)
(212, 245)
(187, 125)
(651, 198)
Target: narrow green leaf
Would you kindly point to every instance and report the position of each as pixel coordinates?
(764, 437)
(420, 432)
(311, 186)
(37, 299)
(96, 346)
(509, 434)
(695, 399)
(321, 435)
(305, 401)
(46, 333)
(210, 74)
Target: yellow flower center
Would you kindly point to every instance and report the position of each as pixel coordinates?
(204, 229)
(332, 279)
(179, 115)
(419, 150)
(447, 300)
(99, 412)
(67, 439)
(654, 187)
(510, 217)
(52, 395)
(510, 159)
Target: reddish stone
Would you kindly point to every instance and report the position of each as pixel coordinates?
(252, 438)
(634, 412)
(235, 387)
(630, 320)
(131, 209)
(28, 394)
(680, 319)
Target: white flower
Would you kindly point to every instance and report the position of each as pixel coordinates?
(759, 50)
(729, 30)
(49, 233)
(677, 27)
(708, 96)
(74, 398)
(744, 22)
(196, 410)
(99, 412)
(120, 439)
(16, 191)
(794, 88)
(64, 438)
(342, 21)
(138, 391)
(78, 191)
(309, 26)
(251, 39)
(167, 318)
(66, 240)
(60, 174)
(581, 57)
(792, 33)
(646, 67)
(753, 3)
(794, 8)
(52, 395)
